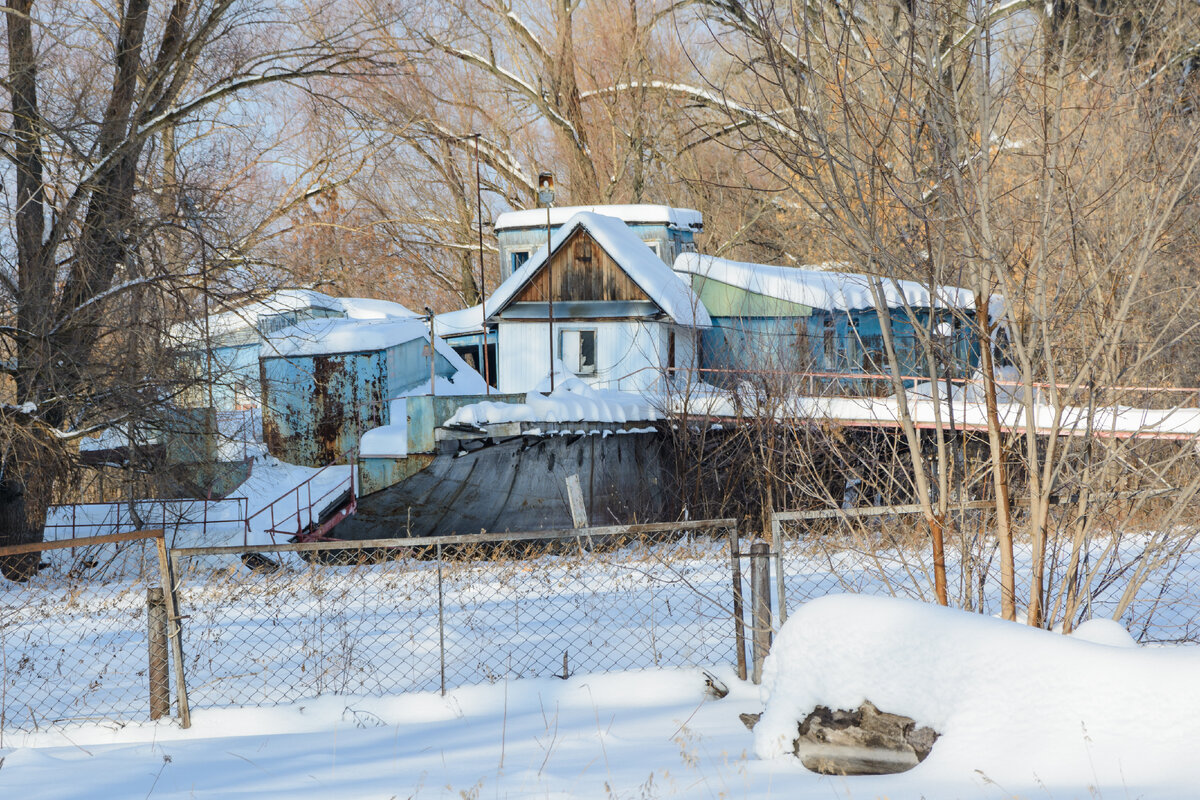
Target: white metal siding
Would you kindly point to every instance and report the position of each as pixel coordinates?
(629, 354)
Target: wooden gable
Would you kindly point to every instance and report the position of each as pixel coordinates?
(582, 271)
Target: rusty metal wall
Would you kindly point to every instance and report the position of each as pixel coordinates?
(315, 408)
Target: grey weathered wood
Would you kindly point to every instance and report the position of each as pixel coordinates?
(441, 621)
(470, 538)
(739, 619)
(575, 497)
(780, 588)
(166, 573)
(917, 508)
(108, 538)
(760, 603)
(864, 741)
(156, 637)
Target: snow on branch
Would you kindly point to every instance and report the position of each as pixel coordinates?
(702, 97)
(515, 81)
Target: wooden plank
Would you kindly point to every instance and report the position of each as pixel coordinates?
(575, 497)
(473, 538)
(916, 508)
(599, 278)
(85, 541)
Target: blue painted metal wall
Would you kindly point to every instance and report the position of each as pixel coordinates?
(315, 408)
(830, 341)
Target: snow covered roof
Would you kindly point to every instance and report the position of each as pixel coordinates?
(631, 214)
(824, 288)
(369, 308)
(639, 262)
(571, 401)
(454, 323)
(251, 316)
(335, 335)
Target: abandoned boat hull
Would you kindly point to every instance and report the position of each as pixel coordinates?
(519, 484)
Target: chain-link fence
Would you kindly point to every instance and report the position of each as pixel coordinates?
(74, 648)
(426, 614)
(394, 616)
(1150, 580)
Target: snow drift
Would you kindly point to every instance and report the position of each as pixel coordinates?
(1012, 703)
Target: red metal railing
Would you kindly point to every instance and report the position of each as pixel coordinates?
(165, 513)
(300, 514)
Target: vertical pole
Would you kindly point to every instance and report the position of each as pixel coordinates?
(777, 543)
(432, 357)
(487, 377)
(550, 296)
(156, 636)
(441, 621)
(760, 602)
(174, 630)
(739, 621)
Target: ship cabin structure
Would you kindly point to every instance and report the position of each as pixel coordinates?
(327, 382)
(822, 320)
(621, 318)
(666, 231)
(225, 348)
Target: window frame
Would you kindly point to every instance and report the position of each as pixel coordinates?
(595, 348)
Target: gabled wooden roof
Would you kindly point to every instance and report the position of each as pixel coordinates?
(597, 258)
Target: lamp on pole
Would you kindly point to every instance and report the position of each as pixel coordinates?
(546, 198)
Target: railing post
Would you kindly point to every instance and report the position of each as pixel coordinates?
(159, 674)
(760, 603)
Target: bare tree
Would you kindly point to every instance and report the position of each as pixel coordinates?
(103, 249)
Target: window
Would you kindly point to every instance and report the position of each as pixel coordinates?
(577, 349)
(517, 258)
(831, 350)
(670, 353)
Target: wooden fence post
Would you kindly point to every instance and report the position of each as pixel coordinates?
(159, 673)
(760, 603)
(441, 621)
(739, 620)
(174, 629)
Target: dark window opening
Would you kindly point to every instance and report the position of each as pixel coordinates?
(830, 344)
(577, 349)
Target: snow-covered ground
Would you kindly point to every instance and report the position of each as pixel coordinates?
(276, 495)
(1022, 713)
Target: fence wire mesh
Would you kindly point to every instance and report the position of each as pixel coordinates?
(74, 648)
(417, 617)
(1149, 581)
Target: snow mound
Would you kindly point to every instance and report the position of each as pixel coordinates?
(1104, 631)
(571, 401)
(1011, 702)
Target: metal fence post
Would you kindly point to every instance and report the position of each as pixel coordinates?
(159, 674)
(760, 603)
(441, 621)
(739, 620)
